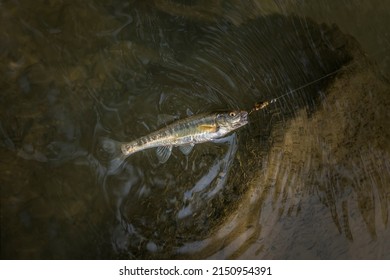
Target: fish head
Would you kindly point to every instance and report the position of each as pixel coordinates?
(229, 121)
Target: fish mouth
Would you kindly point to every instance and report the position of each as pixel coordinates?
(243, 119)
(244, 116)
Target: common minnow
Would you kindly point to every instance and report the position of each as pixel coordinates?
(183, 133)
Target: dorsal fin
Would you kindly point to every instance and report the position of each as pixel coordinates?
(189, 112)
(164, 119)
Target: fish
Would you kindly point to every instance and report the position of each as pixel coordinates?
(183, 133)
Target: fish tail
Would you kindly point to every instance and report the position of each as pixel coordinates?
(111, 154)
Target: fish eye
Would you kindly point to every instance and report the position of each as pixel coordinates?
(232, 114)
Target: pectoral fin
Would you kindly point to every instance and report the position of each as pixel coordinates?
(186, 149)
(208, 127)
(163, 153)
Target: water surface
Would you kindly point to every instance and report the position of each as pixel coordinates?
(308, 177)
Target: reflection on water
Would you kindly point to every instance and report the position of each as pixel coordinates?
(307, 178)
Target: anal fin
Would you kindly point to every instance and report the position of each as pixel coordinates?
(163, 153)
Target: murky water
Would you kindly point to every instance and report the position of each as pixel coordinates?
(308, 177)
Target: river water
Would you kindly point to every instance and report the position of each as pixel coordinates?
(307, 178)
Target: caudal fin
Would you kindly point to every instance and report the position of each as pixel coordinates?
(111, 154)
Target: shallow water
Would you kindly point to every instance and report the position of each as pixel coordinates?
(308, 177)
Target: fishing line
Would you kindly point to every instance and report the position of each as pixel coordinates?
(263, 104)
